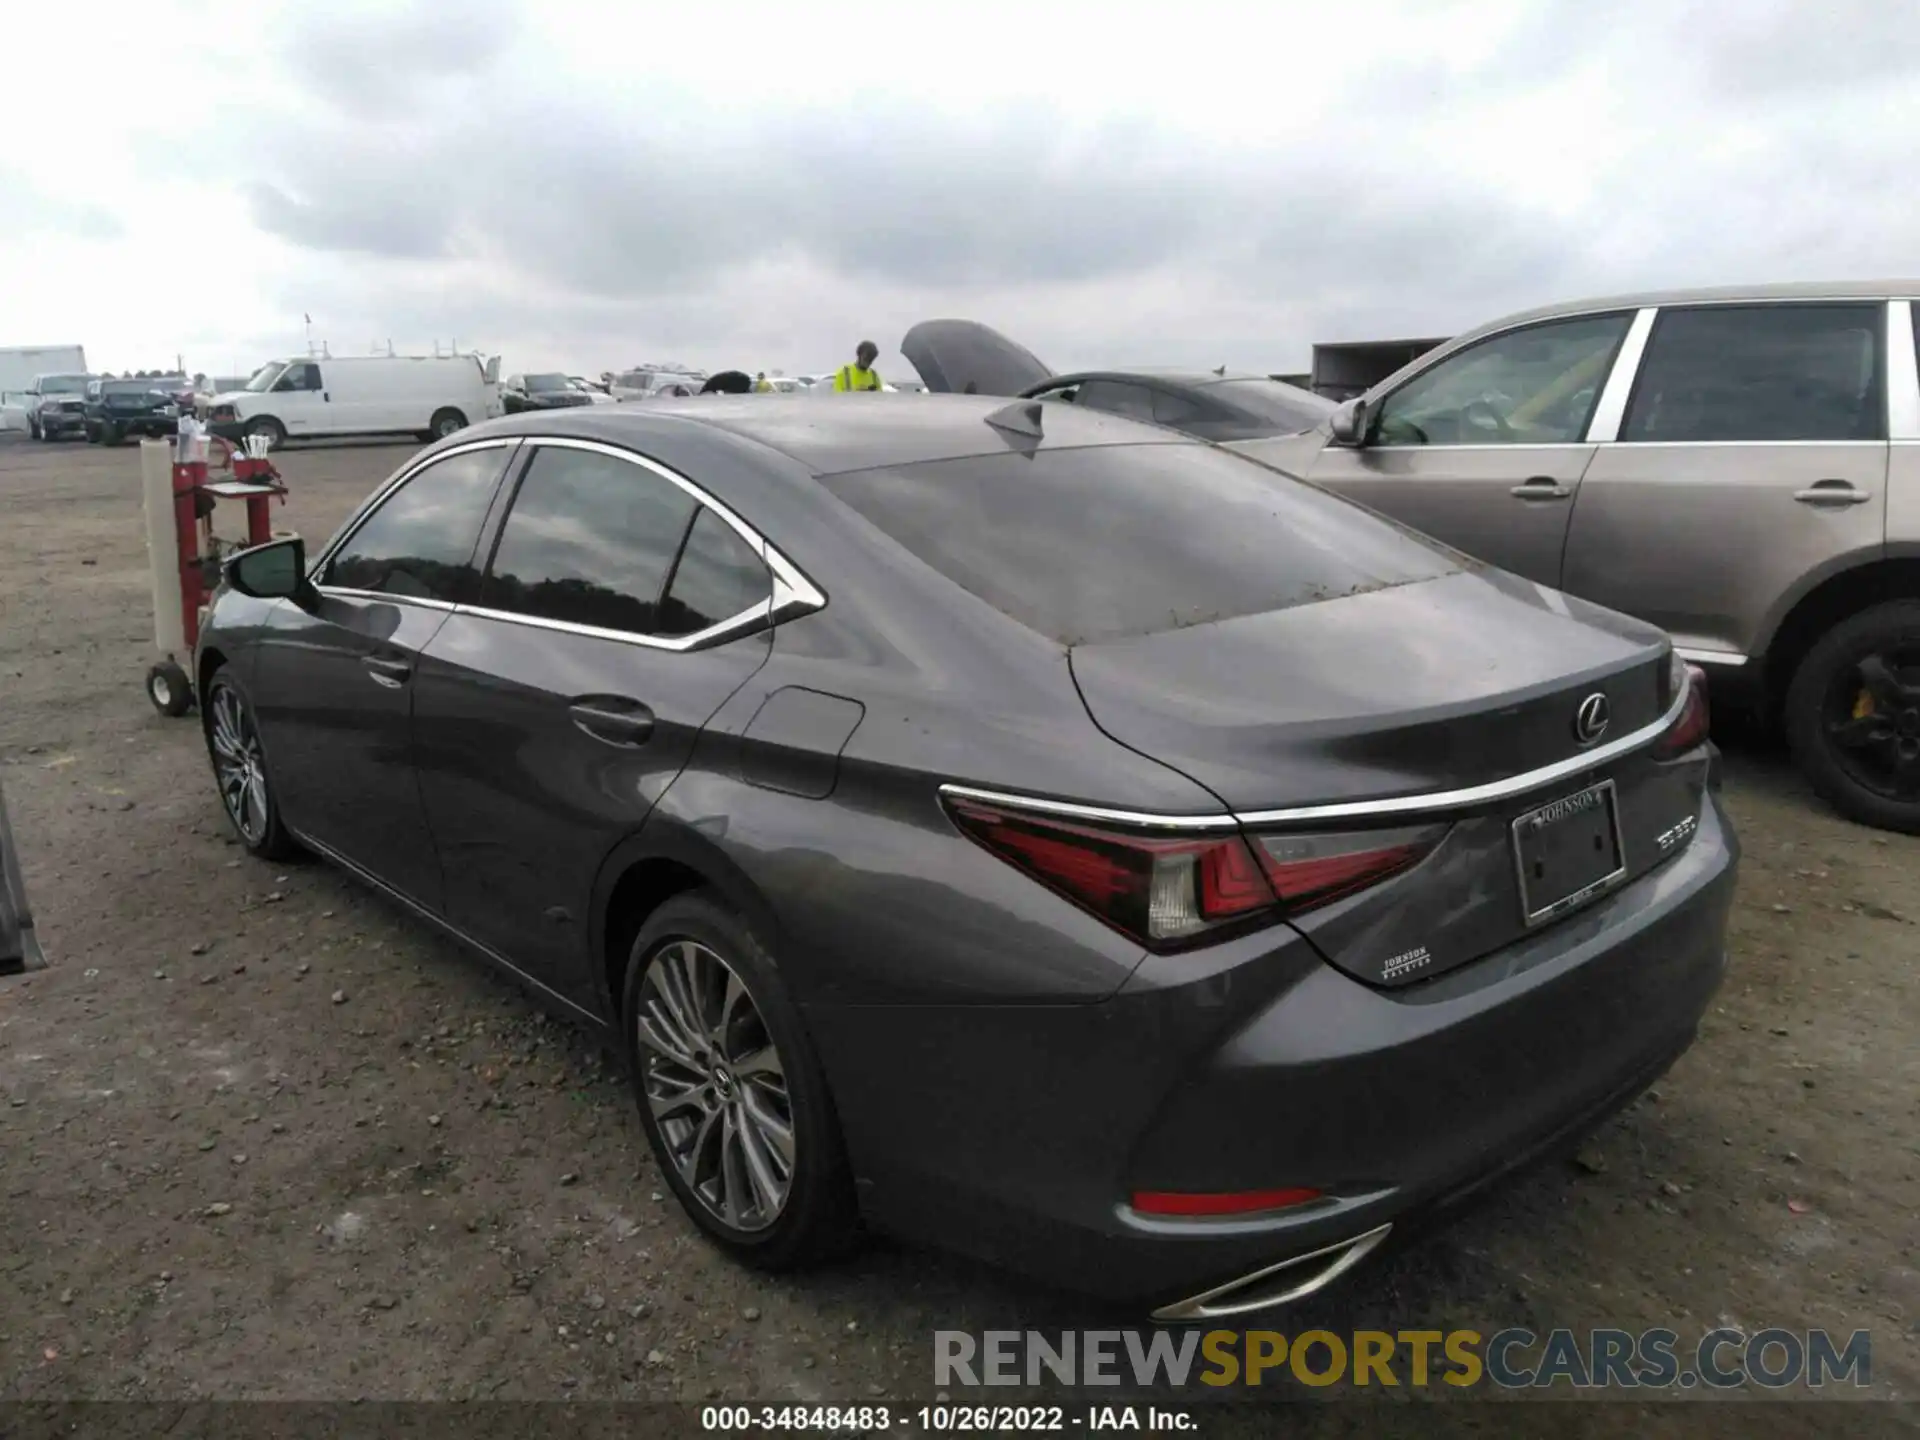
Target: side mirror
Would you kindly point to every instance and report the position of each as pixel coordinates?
(492, 371)
(1348, 424)
(274, 571)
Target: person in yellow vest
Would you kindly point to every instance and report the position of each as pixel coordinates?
(860, 375)
(762, 385)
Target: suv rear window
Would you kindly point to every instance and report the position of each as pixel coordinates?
(1102, 543)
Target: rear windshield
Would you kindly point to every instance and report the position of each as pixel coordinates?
(1101, 543)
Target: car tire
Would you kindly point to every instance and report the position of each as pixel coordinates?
(232, 734)
(169, 690)
(1840, 749)
(446, 422)
(270, 429)
(693, 944)
(34, 432)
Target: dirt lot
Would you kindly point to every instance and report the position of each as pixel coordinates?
(262, 1136)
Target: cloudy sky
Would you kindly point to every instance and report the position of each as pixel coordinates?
(587, 186)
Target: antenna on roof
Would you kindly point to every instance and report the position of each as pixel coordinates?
(1022, 417)
(1221, 371)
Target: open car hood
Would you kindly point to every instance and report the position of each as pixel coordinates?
(964, 357)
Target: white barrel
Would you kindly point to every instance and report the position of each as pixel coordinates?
(163, 547)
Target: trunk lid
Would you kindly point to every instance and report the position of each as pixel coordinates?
(964, 357)
(1455, 684)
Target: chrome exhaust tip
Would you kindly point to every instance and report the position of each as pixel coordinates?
(1279, 1284)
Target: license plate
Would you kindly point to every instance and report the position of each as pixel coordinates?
(1568, 852)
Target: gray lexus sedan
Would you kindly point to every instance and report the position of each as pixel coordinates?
(999, 823)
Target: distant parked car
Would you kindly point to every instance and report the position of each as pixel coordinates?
(115, 410)
(1207, 404)
(56, 406)
(595, 392)
(540, 392)
(648, 384)
(431, 396)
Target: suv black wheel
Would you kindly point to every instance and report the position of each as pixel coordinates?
(1853, 716)
(731, 1095)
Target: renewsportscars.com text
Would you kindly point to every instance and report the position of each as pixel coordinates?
(1511, 1359)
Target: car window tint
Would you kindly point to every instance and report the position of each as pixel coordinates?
(1536, 386)
(589, 541)
(719, 576)
(419, 543)
(1134, 401)
(1761, 372)
(1095, 543)
(1283, 407)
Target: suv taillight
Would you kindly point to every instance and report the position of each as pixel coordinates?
(1169, 892)
(1690, 730)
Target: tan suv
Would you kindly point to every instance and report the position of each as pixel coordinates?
(1739, 466)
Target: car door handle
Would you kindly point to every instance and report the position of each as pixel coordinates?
(1541, 487)
(1835, 493)
(613, 719)
(390, 673)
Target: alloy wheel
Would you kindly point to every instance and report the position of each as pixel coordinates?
(1873, 722)
(715, 1085)
(239, 764)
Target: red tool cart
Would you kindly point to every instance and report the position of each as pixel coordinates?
(182, 488)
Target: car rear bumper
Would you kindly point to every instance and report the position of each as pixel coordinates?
(1392, 1104)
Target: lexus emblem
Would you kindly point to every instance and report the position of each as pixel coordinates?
(1590, 720)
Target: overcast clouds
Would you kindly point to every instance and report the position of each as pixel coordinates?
(585, 186)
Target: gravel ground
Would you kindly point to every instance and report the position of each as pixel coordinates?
(262, 1136)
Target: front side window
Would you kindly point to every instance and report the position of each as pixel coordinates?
(1536, 386)
(718, 576)
(419, 543)
(300, 375)
(1761, 373)
(589, 541)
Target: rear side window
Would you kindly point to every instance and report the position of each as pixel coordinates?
(589, 541)
(1760, 373)
(1093, 544)
(419, 543)
(719, 576)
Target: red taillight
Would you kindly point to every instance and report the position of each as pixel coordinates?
(1695, 719)
(1239, 1202)
(1166, 891)
(1158, 890)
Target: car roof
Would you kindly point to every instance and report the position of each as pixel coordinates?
(850, 433)
(1717, 294)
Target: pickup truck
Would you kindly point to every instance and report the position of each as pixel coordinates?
(116, 409)
(56, 406)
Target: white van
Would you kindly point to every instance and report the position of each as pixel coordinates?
(361, 395)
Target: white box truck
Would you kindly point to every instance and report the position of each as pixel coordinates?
(315, 396)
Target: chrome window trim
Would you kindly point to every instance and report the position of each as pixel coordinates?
(1612, 409)
(1744, 444)
(719, 630)
(1903, 373)
(425, 602)
(1441, 800)
(1728, 658)
(791, 592)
